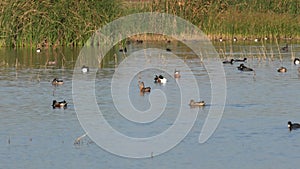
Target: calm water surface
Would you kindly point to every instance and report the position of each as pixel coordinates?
(252, 133)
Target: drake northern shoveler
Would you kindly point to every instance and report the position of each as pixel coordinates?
(160, 79)
(62, 104)
(56, 81)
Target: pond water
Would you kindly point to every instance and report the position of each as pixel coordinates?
(252, 133)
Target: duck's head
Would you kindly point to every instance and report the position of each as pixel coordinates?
(141, 84)
(290, 125)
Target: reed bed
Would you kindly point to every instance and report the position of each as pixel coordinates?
(52, 22)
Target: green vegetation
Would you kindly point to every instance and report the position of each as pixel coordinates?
(67, 22)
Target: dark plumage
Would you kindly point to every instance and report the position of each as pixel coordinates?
(240, 60)
(285, 48)
(123, 50)
(293, 126)
(228, 61)
(242, 67)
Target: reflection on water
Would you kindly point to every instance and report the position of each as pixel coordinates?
(252, 134)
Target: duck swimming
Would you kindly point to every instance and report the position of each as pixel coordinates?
(241, 60)
(160, 79)
(296, 61)
(85, 69)
(242, 67)
(56, 81)
(282, 69)
(168, 50)
(285, 48)
(143, 88)
(62, 104)
(293, 126)
(177, 74)
(193, 103)
(229, 61)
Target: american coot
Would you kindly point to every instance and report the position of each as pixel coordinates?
(293, 126)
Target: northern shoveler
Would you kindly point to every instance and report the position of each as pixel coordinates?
(56, 81)
(160, 79)
(62, 104)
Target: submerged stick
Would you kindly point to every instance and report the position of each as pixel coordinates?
(77, 141)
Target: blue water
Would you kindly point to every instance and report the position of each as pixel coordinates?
(252, 133)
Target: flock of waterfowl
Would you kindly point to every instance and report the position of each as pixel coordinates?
(162, 80)
(242, 67)
(56, 82)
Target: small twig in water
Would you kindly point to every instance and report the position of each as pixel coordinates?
(77, 141)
